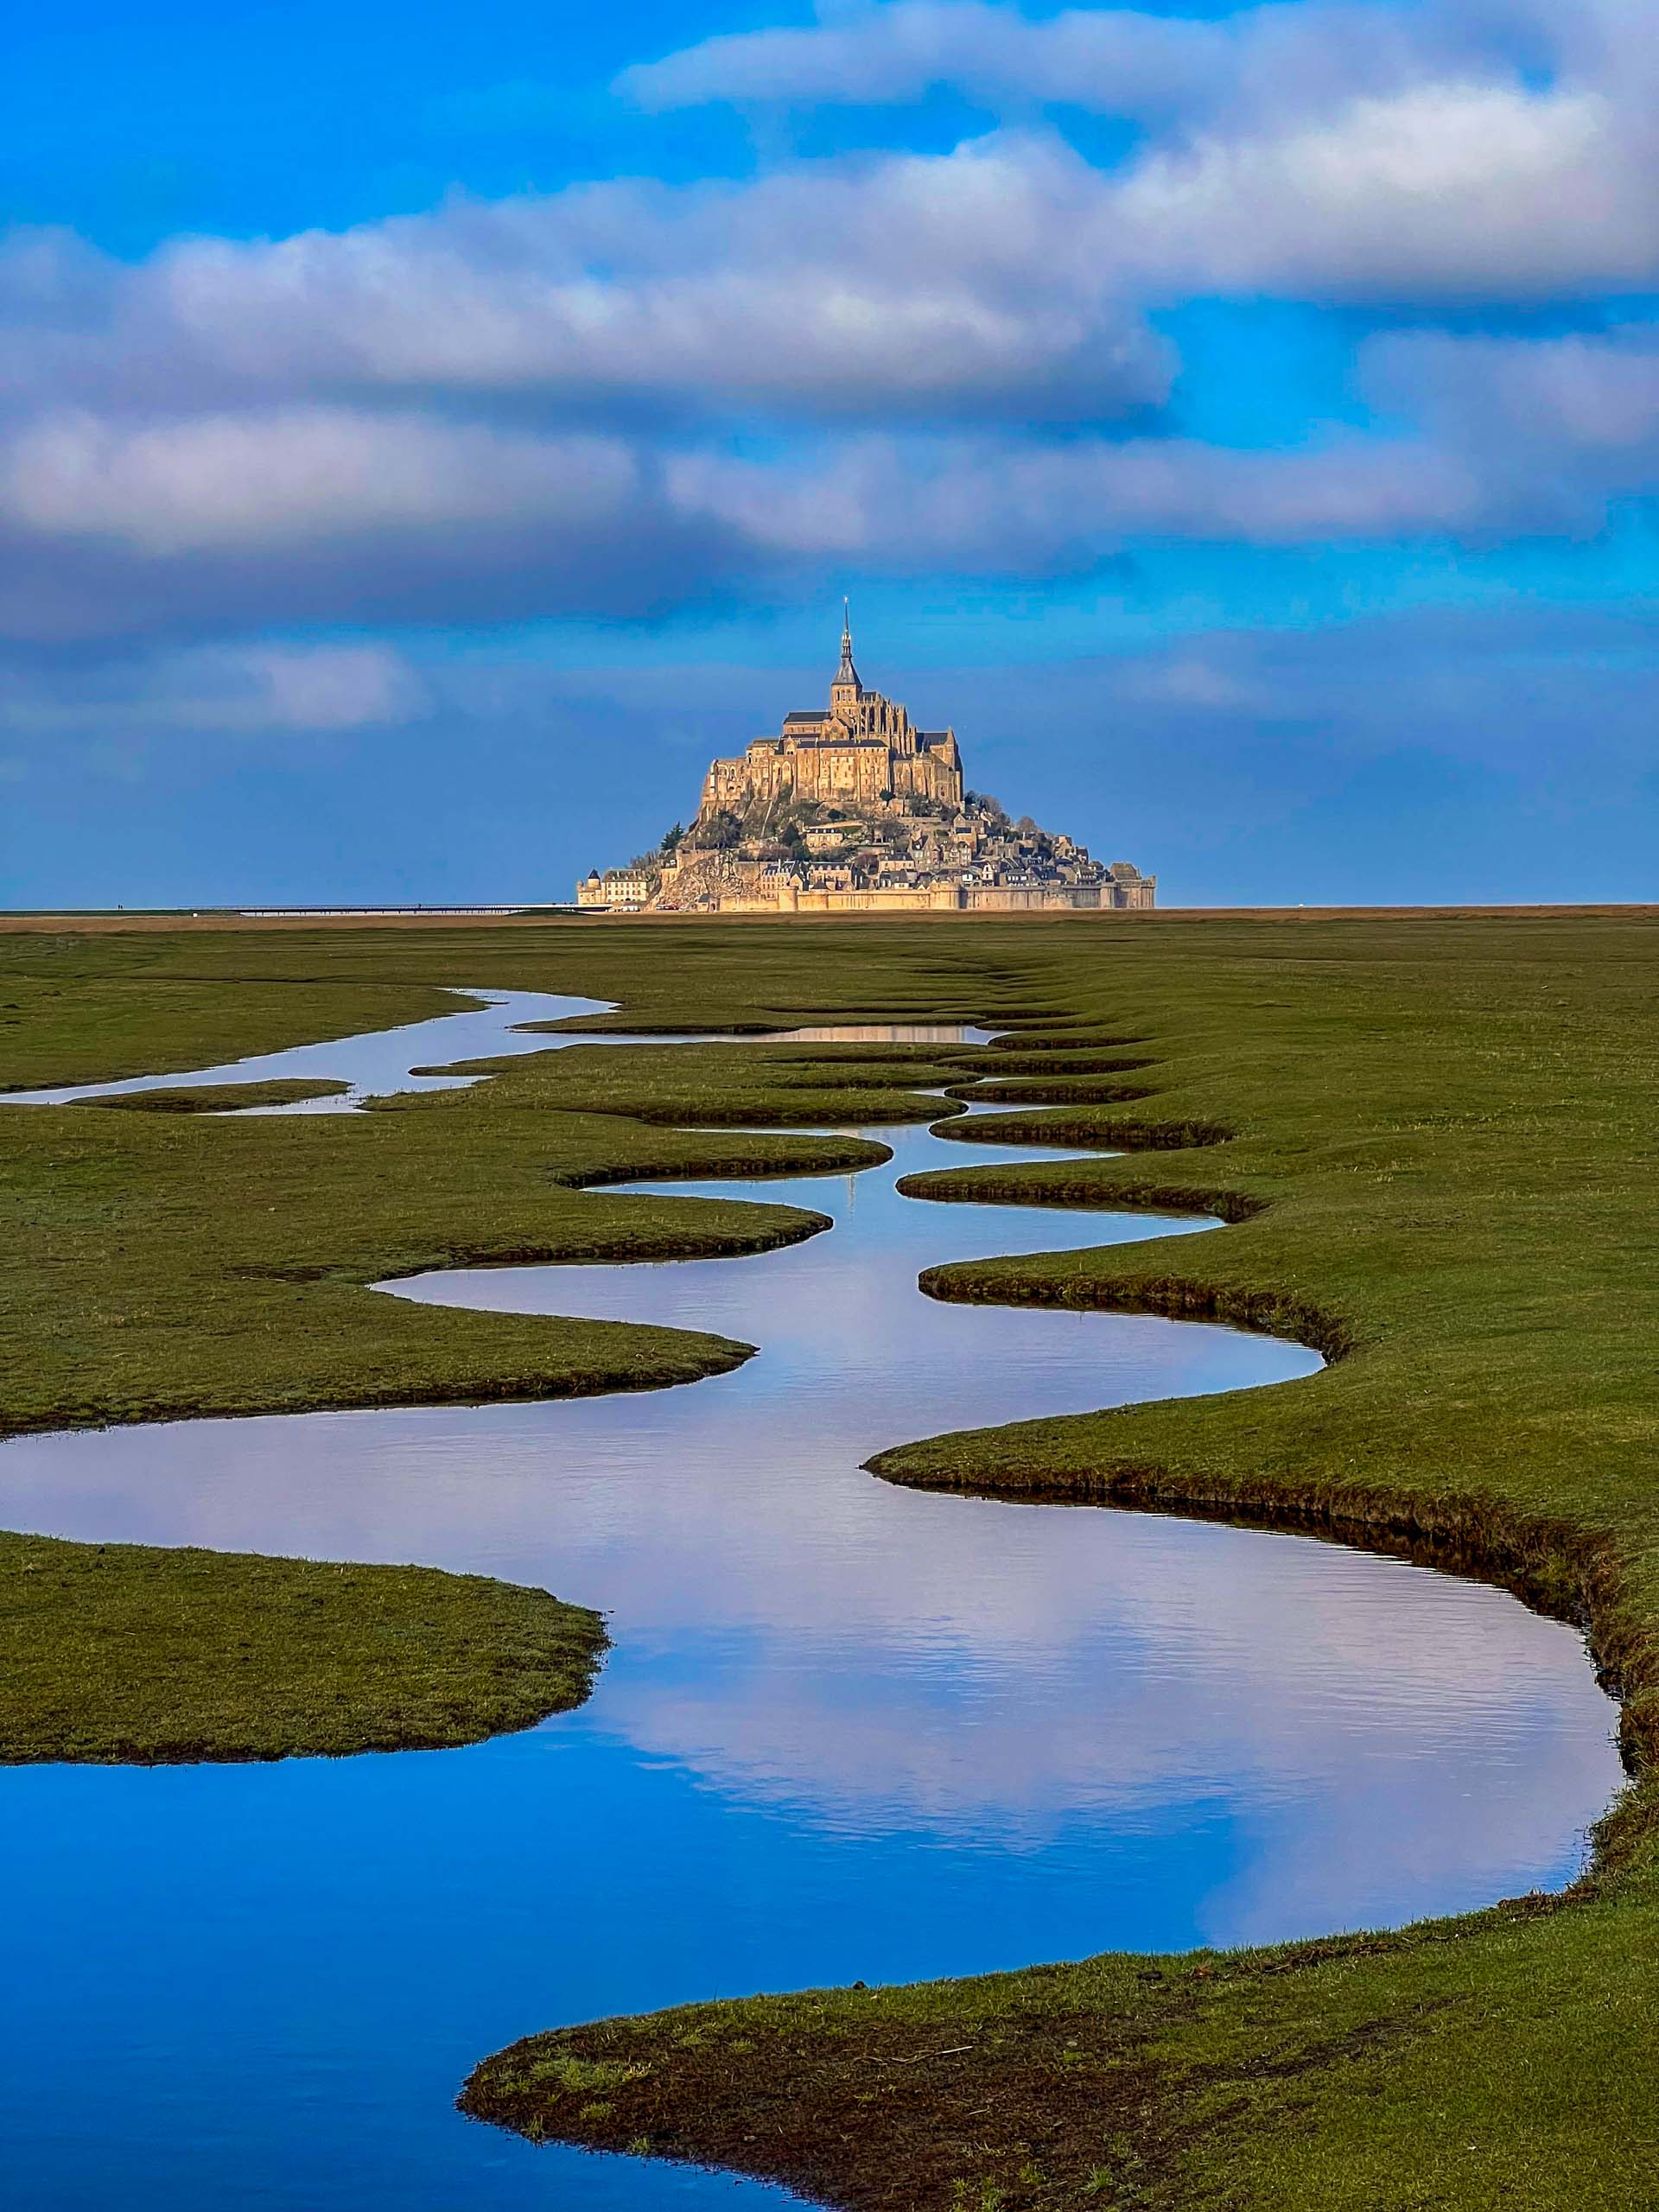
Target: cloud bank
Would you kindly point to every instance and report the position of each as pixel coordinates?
(624, 397)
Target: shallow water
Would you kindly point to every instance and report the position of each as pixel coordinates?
(381, 1060)
(374, 1064)
(846, 1730)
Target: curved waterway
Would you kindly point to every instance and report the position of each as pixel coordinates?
(846, 1730)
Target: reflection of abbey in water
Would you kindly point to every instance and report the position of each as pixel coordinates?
(852, 808)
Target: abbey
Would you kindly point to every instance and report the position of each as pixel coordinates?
(862, 750)
(851, 808)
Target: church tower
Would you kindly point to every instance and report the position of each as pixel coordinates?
(846, 691)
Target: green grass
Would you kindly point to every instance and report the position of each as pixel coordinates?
(1501, 2062)
(1435, 1139)
(219, 1098)
(120, 1652)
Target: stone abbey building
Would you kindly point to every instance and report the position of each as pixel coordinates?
(851, 808)
(862, 751)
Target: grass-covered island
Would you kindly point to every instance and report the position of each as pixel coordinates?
(1434, 1137)
(219, 1098)
(125, 1654)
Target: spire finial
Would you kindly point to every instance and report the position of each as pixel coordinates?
(847, 673)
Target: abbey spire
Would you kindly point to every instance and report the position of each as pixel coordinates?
(846, 690)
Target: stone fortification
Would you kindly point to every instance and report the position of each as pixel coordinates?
(852, 809)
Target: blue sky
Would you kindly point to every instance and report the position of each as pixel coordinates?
(426, 435)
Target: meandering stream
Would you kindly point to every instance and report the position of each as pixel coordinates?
(846, 1730)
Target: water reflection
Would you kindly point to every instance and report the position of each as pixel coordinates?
(373, 1065)
(847, 1730)
(382, 1061)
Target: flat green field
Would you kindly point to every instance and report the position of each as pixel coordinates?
(1435, 1139)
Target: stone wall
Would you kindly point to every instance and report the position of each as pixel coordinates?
(947, 899)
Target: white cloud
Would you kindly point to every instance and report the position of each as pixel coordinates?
(896, 54)
(549, 402)
(1188, 679)
(1349, 151)
(893, 285)
(290, 475)
(252, 689)
(1479, 191)
(348, 514)
(1008, 278)
(1591, 400)
(990, 502)
(320, 687)
(1117, 61)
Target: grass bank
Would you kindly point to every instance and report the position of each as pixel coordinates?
(123, 1653)
(219, 1098)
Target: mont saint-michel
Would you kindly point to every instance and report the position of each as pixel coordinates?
(851, 808)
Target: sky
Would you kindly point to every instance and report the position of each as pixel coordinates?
(427, 435)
